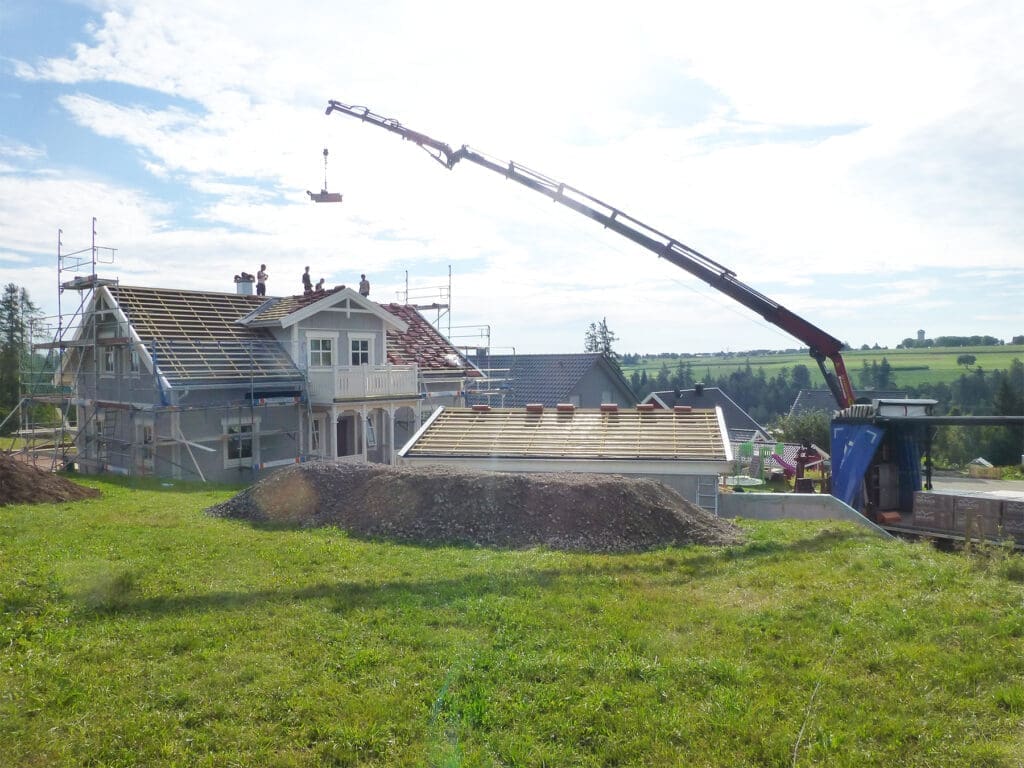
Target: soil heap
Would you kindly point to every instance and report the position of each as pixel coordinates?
(23, 483)
(437, 504)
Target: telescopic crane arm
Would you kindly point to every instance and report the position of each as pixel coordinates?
(821, 345)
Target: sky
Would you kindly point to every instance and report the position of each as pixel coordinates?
(861, 164)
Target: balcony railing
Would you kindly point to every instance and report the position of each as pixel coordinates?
(364, 381)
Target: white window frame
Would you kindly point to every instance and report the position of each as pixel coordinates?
(229, 429)
(320, 339)
(359, 339)
(108, 361)
(145, 436)
(134, 362)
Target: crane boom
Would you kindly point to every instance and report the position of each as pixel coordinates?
(821, 345)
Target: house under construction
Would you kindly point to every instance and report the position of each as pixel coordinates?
(223, 385)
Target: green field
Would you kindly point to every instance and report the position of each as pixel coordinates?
(911, 367)
(135, 630)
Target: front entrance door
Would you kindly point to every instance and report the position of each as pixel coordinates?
(346, 436)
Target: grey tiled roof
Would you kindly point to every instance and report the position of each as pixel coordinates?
(739, 423)
(545, 379)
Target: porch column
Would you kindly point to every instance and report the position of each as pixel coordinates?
(392, 448)
(334, 433)
(362, 431)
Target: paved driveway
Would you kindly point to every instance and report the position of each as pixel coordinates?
(1007, 488)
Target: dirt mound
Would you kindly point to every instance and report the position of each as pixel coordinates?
(23, 483)
(444, 505)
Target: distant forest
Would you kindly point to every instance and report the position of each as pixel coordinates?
(977, 392)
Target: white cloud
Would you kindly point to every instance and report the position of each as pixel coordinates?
(811, 147)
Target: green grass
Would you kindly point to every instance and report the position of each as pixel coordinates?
(137, 631)
(911, 367)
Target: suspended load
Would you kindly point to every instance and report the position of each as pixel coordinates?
(323, 196)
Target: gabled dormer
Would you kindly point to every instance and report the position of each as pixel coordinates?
(338, 328)
(339, 338)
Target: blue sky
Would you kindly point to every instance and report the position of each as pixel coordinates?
(859, 163)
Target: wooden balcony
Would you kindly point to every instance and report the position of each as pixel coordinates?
(365, 382)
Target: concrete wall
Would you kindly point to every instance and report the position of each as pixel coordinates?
(794, 506)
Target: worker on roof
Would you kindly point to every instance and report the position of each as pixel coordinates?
(319, 286)
(261, 281)
(364, 285)
(307, 282)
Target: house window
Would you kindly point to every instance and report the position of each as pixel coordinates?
(361, 351)
(321, 353)
(133, 361)
(108, 360)
(144, 437)
(241, 442)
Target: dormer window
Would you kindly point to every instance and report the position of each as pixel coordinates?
(321, 353)
(360, 350)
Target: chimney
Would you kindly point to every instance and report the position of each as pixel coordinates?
(243, 284)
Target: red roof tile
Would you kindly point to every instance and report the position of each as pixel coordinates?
(423, 345)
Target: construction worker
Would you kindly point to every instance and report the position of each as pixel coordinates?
(307, 282)
(261, 281)
(319, 286)
(364, 285)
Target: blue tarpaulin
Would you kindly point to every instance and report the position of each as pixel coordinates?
(908, 456)
(853, 447)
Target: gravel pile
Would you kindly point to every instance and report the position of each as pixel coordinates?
(23, 483)
(434, 505)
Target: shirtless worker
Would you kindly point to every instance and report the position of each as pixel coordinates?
(261, 281)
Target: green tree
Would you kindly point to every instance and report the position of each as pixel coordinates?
(966, 360)
(600, 338)
(17, 313)
(801, 377)
(804, 427)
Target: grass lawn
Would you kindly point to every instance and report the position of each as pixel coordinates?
(137, 631)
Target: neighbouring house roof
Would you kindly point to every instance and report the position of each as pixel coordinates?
(195, 335)
(740, 424)
(581, 433)
(823, 399)
(546, 379)
(423, 345)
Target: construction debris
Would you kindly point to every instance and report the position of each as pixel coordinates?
(441, 505)
(23, 483)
